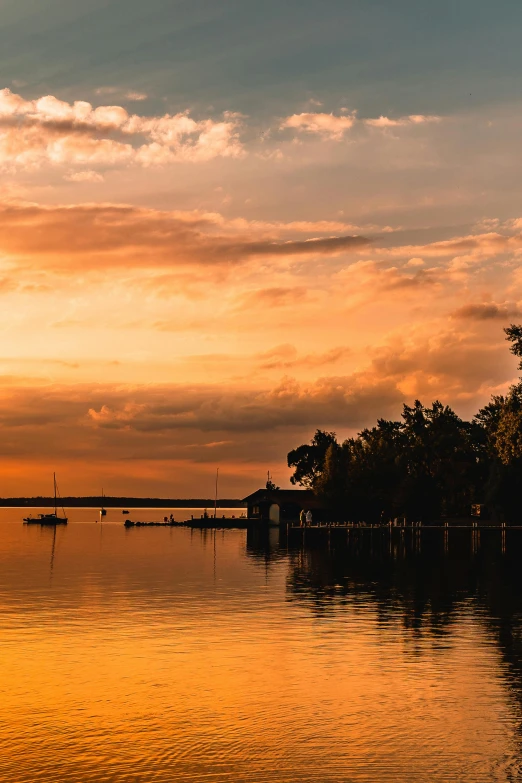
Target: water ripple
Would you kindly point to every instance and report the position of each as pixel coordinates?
(162, 656)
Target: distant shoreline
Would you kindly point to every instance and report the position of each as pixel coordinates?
(119, 502)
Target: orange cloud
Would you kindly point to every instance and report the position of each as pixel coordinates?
(486, 311)
(377, 276)
(469, 248)
(284, 357)
(110, 235)
(275, 296)
(213, 409)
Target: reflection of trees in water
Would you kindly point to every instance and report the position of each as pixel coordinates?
(399, 577)
(424, 582)
(501, 597)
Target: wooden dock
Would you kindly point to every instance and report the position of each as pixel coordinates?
(328, 526)
(228, 523)
(443, 537)
(199, 523)
(326, 533)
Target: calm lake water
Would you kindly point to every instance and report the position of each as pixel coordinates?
(165, 655)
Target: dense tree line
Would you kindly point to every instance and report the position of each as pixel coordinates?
(429, 464)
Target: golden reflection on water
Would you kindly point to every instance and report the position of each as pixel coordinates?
(165, 655)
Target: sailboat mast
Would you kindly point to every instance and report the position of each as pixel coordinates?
(55, 502)
(216, 497)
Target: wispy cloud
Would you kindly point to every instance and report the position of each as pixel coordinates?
(136, 96)
(329, 126)
(487, 311)
(412, 119)
(335, 126)
(275, 297)
(285, 357)
(84, 176)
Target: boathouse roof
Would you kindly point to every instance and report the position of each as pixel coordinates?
(305, 498)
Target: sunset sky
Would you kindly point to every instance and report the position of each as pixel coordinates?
(224, 224)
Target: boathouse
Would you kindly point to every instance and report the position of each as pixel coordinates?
(277, 506)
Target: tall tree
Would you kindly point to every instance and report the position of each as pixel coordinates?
(308, 460)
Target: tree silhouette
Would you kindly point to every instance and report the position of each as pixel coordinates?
(308, 460)
(429, 464)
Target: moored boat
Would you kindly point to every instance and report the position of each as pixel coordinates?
(46, 519)
(49, 519)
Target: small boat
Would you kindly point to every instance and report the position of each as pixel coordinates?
(49, 519)
(124, 511)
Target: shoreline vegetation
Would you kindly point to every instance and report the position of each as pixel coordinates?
(119, 502)
(429, 465)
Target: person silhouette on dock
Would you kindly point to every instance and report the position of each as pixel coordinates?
(302, 518)
(308, 518)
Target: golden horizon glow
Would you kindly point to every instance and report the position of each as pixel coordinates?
(149, 338)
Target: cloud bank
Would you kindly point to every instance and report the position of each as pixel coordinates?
(113, 235)
(54, 132)
(48, 130)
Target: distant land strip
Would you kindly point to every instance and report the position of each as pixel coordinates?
(123, 502)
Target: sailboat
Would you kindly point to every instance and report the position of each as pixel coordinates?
(49, 519)
(103, 511)
(216, 496)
